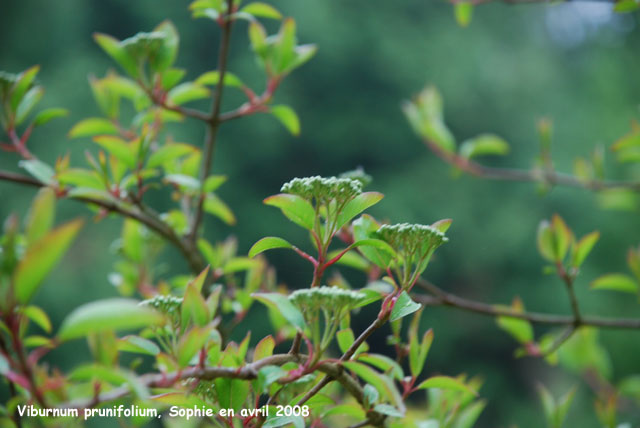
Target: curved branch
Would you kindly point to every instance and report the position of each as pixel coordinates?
(143, 215)
(442, 298)
(534, 175)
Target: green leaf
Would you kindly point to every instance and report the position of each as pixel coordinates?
(282, 304)
(563, 236)
(364, 228)
(486, 144)
(356, 206)
(268, 243)
(117, 148)
(463, 11)
(138, 345)
(280, 421)
(191, 343)
(212, 183)
(93, 126)
(41, 257)
(28, 102)
(48, 114)
(211, 78)
(345, 339)
(446, 382)
(41, 214)
(80, 178)
(261, 10)
(264, 348)
(169, 152)
(216, 207)
(166, 55)
(388, 410)
(546, 241)
(616, 282)
(110, 314)
(118, 52)
(468, 416)
(39, 317)
(193, 308)
(38, 169)
(184, 181)
(424, 114)
(384, 363)
(22, 85)
(582, 249)
(625, 6)
(288, 117)
(382, 383)
(295, 208)
(404, 306)
(186, 92)
(418, 352)
(520, 329)
(442, 225)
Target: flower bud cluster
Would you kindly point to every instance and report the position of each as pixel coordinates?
(333, 299)
(324, 188)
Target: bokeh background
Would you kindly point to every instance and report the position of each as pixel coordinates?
(575, 63)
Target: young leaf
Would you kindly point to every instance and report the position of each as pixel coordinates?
(382, 383)
(118, 52)
(166, 55)
(418, 352)
(169, 152)
(110, 314)
(356, 206)
(28, 102)
(388, 410)
(262, 10)
(446, 382)
(193, 308)
(268, 243)
(384, 363)
(39, 317)
(404, 306)
(41, 257)
(295, 208)
(38, 169)
(463, 11)
(216, 207)
(282, 304)
(22, 85)
(582, 249)
(617, 282)
(288, 117)
(48, 114)
(41, 214)
(186, 92)
(546, 241)
(264, 348)
(190, 344)
(117, 148)
(211, 78)
(486, 144)
(93, 126)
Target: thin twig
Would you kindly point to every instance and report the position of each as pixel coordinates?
(534, 175)
(214, 122)
(441, 298)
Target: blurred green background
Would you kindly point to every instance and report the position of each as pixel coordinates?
(575, 63)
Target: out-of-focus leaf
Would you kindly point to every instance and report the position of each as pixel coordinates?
(463, 11)
(288, 117)
(211, 78)
(282, 304)
(169, 152)
(116, 51)
(424, 114)
(446, 382)
(38, 169)
(28, 102)
(486, 144)
(110, 314)
(93, 126)
(583, 248)
(262, 10)
(48, 114)
(41, 257)
(616, 282)
(191, 343)
(216, 206)
(186, 92)
(41, 214)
